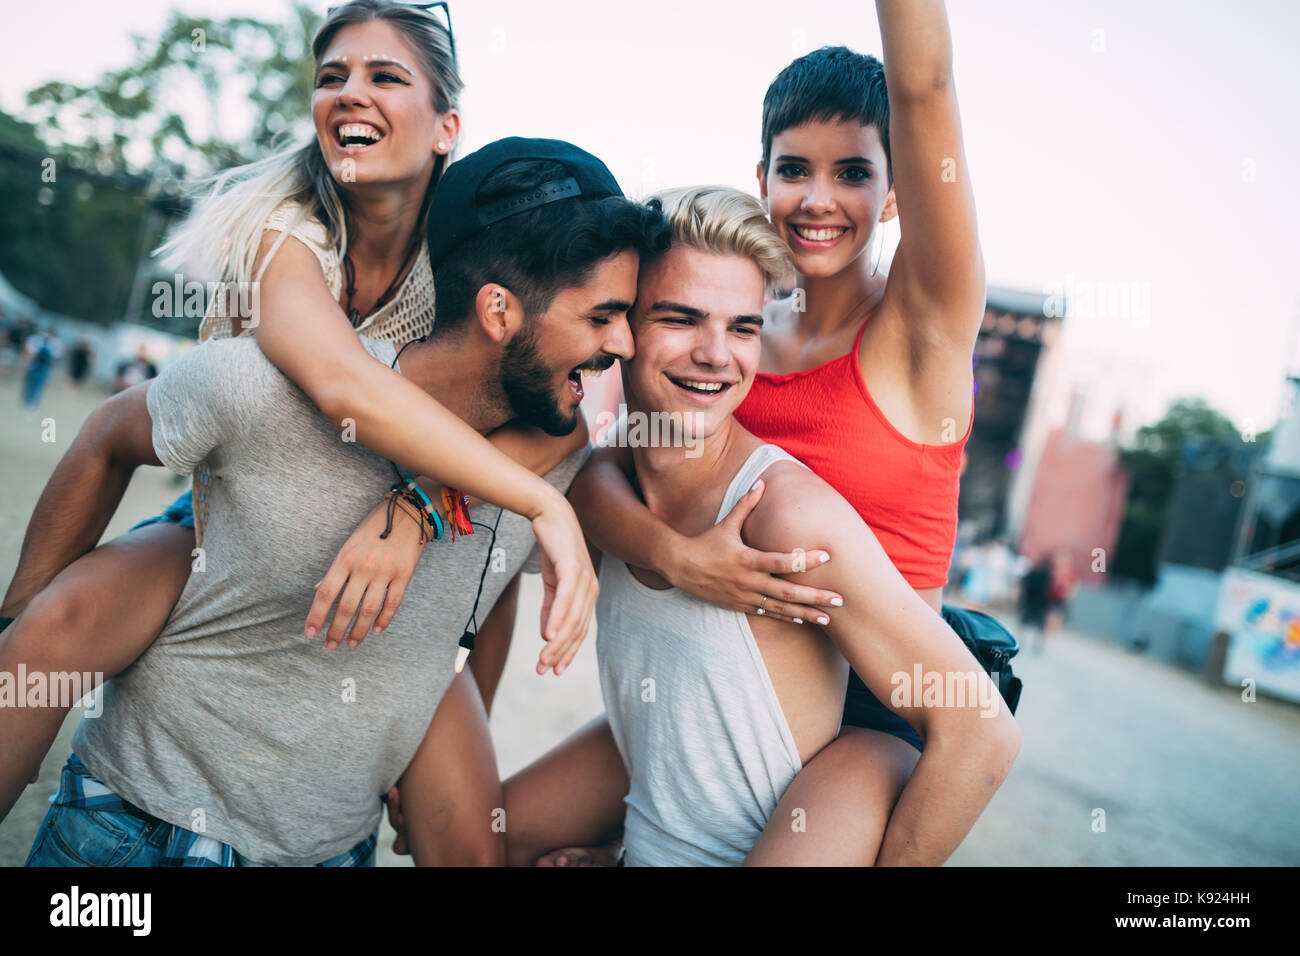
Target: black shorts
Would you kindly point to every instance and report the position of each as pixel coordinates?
(863, 709)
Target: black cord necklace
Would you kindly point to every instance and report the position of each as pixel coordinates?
(354, 316)
(467, 638)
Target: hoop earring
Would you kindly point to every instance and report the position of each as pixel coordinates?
(880, 251)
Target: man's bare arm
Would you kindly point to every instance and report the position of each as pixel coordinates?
(891, 630)
(83, 493)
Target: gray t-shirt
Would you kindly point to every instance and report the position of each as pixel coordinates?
(233, 723)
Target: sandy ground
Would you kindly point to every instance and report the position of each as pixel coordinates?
(1187, 774)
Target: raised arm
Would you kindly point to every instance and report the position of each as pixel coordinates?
(715, 566)
(304, 332)
(83, 493)
(969, 744)
(938, 271)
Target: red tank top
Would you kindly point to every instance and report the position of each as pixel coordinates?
(905, 491)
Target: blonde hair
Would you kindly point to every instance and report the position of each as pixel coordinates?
(726, 221)
(222, 236)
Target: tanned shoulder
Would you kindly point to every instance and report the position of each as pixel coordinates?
(798, 509)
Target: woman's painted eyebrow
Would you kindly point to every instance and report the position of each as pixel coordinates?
(400, 66)
(342, 64)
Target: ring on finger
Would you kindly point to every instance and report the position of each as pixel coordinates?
(760, 610)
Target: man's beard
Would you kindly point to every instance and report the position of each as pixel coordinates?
(529, 386)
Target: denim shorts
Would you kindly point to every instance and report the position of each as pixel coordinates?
(180, 511)
(76, 834)
(90, 825)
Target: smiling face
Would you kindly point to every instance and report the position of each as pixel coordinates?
(826, 188)
(373, 109)
(585, 328)
(696, 322)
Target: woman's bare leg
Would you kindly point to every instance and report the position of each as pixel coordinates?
(98, 615)
(836, 810)
(450, 794)
(572, 796)
(456, 761)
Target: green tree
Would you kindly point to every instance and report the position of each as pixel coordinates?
(90, 177)
(71, 240)
(1152, 463)
(173, 102)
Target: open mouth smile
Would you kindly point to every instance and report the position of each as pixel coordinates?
(575, 377)
(700, 390)
(818, 237)
(357, 137)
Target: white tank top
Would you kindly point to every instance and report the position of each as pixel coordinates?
(694, 713)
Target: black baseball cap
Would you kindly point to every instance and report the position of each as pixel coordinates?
(456, 214)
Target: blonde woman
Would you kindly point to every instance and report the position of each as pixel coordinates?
(330, 237)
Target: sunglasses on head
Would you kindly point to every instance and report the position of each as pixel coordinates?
(427, 8)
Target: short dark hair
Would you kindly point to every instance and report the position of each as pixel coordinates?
(540, 252)
(829, 84)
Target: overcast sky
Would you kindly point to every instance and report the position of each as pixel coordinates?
(1144, 150)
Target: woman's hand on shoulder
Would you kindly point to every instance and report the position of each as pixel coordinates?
(719, 567)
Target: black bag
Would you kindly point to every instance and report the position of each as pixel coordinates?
(992, 645)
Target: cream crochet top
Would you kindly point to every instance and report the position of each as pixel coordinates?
(408, 315)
